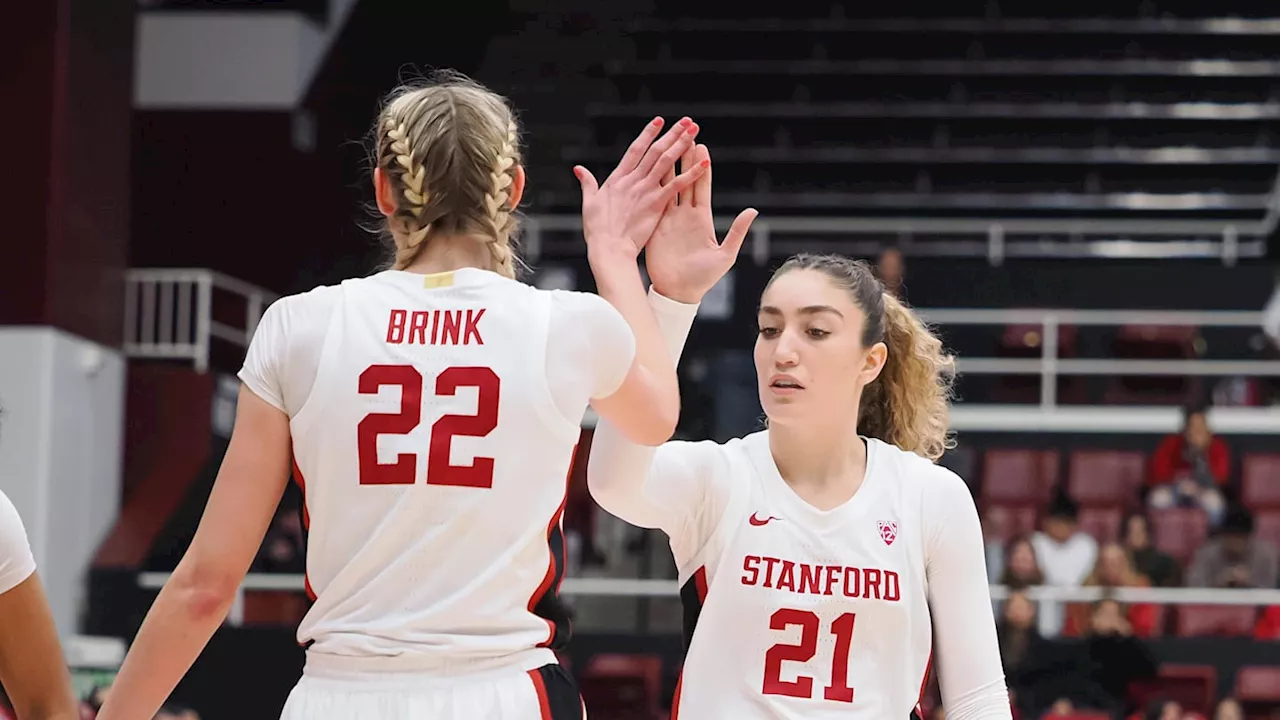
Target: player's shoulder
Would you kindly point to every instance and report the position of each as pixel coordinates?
(314, 305)
(16, 562)
(578, 302)
(917, 472)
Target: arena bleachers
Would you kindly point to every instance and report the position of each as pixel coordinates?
(970, 115)
(1151, 122)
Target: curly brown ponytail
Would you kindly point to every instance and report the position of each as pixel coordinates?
(908, 404)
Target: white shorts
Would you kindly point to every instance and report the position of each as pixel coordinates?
(545, 693)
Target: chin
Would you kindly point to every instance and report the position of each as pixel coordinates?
(782, 412)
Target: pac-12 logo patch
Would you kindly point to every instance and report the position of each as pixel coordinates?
(888, 531)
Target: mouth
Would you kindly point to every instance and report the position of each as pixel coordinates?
(785, 383)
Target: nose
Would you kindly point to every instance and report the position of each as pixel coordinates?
(785, 351)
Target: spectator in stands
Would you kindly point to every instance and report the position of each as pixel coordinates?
(891, 270)
(1228, 709)
(1118, 658)
(1160, 568)
(1065, 555)
(1021, 646)
(1114, 570)
(1048, 679)
(1190, 468)
(1234, 558)
(1020, 567)
(1163, 709)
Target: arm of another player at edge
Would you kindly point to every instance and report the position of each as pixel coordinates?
(198, 595)
(619, 472)
(31, 660)
(968, 655)
(646, 407)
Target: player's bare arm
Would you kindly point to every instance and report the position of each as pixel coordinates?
(618, 219)
(198, 595)
(31, 663)
(685, 260)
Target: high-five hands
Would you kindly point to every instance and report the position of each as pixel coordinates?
(684, 258)
(619, 216)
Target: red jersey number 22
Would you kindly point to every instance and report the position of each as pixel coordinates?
(810, 625)
(439, 470)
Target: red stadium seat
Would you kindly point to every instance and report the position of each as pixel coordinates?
(1001, 522)
(1258, 684)
(627, 687)
(1106, 477)
(1027, 341)
(1154, 342)
(1205, 676)
(1179, 531)
(1019, 477)
(1260, 481)
(1266, 526)
(1232, 620)
(1103, 523)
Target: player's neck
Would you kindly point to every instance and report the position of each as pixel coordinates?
(825, 469)
(444, 254)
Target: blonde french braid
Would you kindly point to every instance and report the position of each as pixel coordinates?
(496, 201)
(411, 178)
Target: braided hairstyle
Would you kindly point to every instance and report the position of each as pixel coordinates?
(450, 148)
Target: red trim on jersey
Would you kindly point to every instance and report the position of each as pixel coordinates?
(675, 699)
(550, 577)
(924, 682)
(540, 687)
(306, 521)
(700, 579)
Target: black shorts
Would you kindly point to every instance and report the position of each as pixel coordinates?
(557, 693)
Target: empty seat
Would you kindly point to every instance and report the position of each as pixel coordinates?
(1258, 684)
(1266, 526)
(1019, 477)
(1205, 676)
(1001, 522)
(1027, 341)
(627, 687)
(1232, 620)
(1154, 342)
(1190, 696)
(1103, 523)
(1260, 481)
(1179, 531)
(1106, 477)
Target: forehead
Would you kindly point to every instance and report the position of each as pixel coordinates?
(805, 288)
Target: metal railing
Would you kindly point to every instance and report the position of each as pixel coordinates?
(992, 238)
(169, 313)
(637, 587)
(1049, 365)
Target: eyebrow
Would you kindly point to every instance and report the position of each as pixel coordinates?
(806, 310)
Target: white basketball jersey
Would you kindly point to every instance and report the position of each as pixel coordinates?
(802, 613)
(434, 466)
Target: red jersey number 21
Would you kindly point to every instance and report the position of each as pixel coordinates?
(810, 625)
(439, 470)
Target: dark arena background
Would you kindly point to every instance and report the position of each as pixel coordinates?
(1081, 196)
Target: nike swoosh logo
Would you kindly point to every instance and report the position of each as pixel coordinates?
(756, 521)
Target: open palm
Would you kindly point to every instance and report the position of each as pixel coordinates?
(683, 257)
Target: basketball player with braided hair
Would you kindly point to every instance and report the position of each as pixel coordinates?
(819, 557)
(430, 413)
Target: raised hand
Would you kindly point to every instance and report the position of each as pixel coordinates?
(684, 259)
(619, 216)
